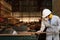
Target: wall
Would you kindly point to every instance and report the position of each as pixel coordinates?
(56, 6)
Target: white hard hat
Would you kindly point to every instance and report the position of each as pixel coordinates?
(46, 12)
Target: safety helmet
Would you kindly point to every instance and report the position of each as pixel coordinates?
(45, 13)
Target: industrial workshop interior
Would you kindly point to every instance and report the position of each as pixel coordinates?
(21, 19)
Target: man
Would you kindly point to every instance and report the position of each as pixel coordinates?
(52, 23)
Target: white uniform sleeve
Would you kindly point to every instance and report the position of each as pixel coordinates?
(59, 24)
(42, 27)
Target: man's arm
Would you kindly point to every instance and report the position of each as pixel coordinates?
(42, 28)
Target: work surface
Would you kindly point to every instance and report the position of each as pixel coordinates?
(20, 36)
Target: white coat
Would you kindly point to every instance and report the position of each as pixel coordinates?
(53, 26)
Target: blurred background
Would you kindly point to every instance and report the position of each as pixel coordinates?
(24, 12)
(24, 15)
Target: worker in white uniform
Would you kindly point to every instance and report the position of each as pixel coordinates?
(52, 22)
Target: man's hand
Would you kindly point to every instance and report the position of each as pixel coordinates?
(38, 32)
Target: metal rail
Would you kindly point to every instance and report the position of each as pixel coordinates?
(24, 34)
